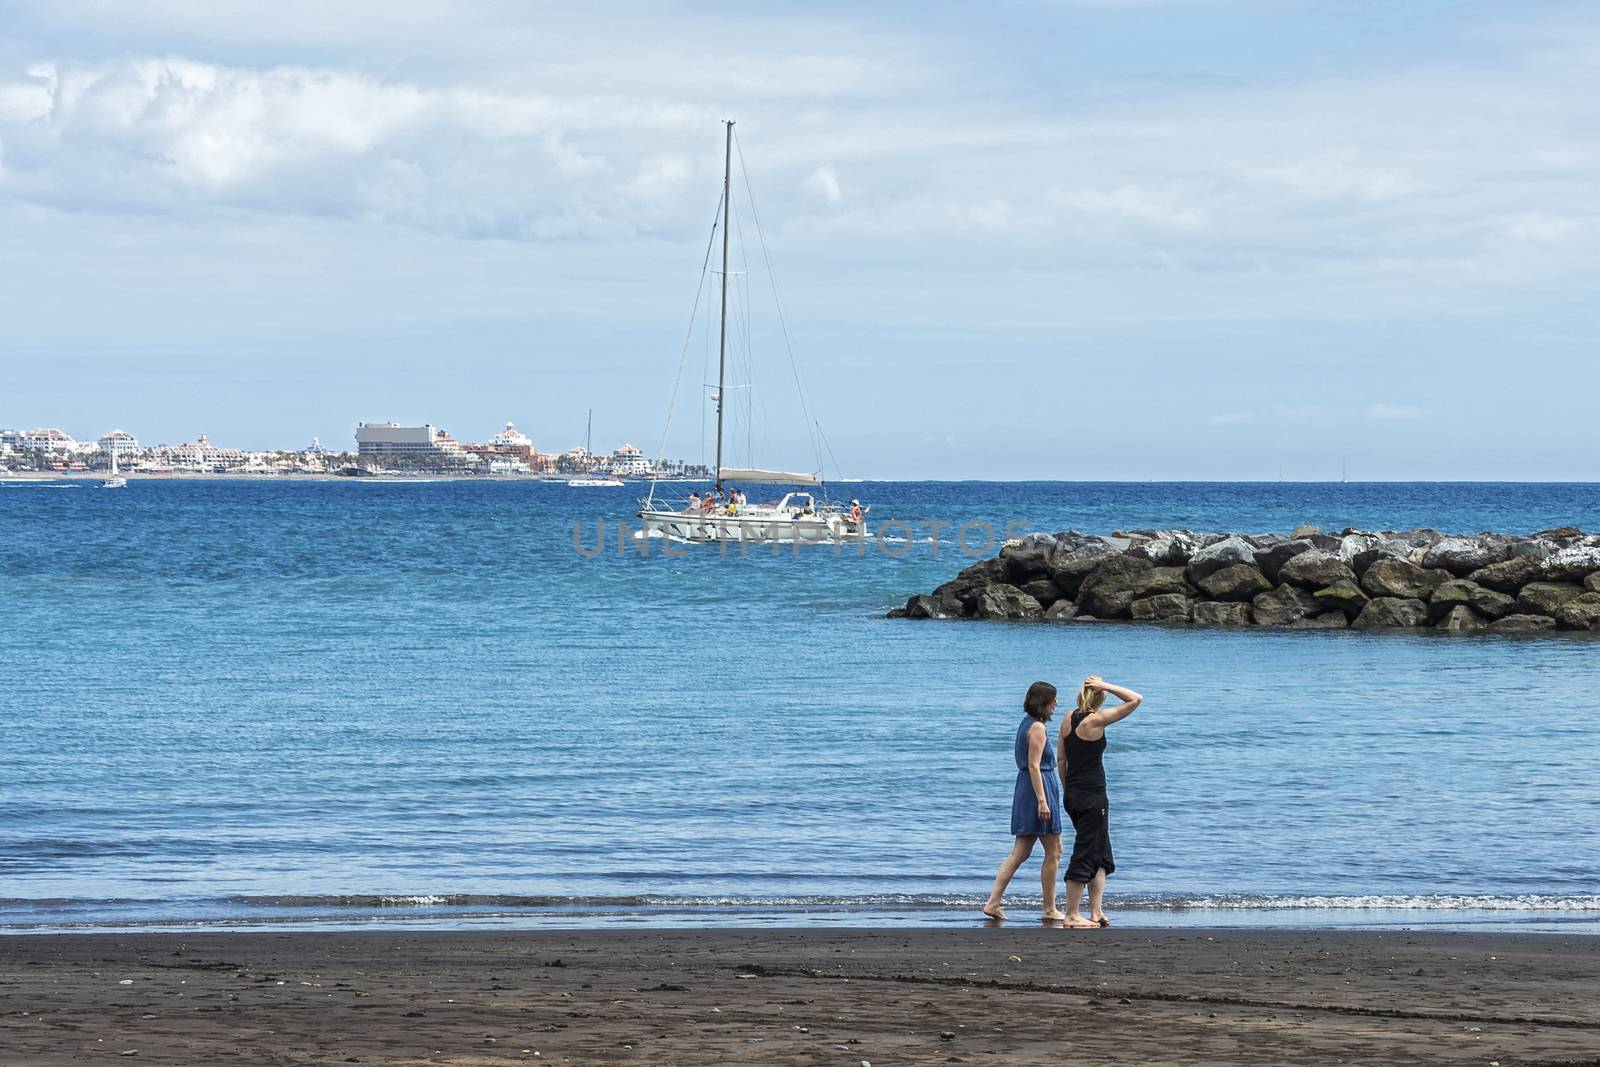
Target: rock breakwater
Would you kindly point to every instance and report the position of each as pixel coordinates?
(1307, 579)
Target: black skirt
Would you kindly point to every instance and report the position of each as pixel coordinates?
(1091, 844)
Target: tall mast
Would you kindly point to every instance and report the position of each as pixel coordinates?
(722, 340)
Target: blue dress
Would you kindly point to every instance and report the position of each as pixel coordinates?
(1025, 821)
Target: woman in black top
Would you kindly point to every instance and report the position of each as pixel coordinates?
(1083, 780)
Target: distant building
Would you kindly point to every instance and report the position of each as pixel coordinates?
(511, 438)
(628, 460)
(120, 442)
(198, 455)
(46, 440)
(376, 440)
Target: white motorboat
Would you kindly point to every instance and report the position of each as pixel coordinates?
(796, 518)
(114, 480)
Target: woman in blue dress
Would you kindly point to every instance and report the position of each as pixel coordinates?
(1035, 803)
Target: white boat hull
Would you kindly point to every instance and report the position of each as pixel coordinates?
(753, 527)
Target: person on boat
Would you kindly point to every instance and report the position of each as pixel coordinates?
(857, 513)
(1035, 803)
(694, 502)
(709, 504)
(1083, 780)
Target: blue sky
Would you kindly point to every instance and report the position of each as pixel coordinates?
(1059, 239)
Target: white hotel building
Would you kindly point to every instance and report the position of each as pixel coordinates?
(121, 442)
(379, 439)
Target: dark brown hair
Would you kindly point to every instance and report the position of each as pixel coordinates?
(1037, 702)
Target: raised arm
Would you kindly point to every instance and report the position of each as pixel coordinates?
(1106, 716)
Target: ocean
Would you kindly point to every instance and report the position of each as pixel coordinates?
(333, 704)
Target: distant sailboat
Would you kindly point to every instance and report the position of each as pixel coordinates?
(115, 480)
(592, 480)
(799, 516)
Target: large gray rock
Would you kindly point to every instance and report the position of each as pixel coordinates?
(1387, 548)
(1485, 602)
(1224, 553)
(1509, 575)
(1316, 570)
(1522, 624)
(1561, 535)
(1391, 613)
(1270, 560)
(1328, 620)
(1301, 532)
(1159, 580)
(1545, 598)
(1398, 578)
(925, 607)
(1171, 549)
(1421, 538)
(1573, 563)
(958, 595)
(1343, 595)
(1463, 555)
(1211, 613)
(1353, 544)
(1282, 606)
(1163, 607)
(1461, 619)
(1043, 590)
(1075, 558)
(1028, 557)
(1005, 602)
(1592, 583)
(1530, 547)
(1111, 588)
(1238, 582)
(1580, 613)
(1061, 611)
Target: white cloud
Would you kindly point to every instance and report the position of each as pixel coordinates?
(825, 183)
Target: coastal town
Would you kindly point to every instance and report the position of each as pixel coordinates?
(381, 449)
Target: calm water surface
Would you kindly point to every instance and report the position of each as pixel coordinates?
(274, 703)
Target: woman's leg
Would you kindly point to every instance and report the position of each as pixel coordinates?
(1047, 876)
(1074, 917)
(1021, 849)
(1097, 893)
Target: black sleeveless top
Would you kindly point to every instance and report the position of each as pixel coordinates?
(1085, 772)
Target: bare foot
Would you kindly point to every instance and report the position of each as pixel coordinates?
(993, 911)
(1078, 922)
(1101, 920)
(1055, 917)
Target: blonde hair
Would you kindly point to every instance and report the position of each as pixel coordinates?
(1090, 699)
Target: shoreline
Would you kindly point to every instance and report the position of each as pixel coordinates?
(1018, 994)
(1575, 914)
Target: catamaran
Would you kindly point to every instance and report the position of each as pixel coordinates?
(115, 480)
(799, 516)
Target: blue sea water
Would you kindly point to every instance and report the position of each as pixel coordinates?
(271, 703)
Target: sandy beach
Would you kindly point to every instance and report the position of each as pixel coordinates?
(1016, 995)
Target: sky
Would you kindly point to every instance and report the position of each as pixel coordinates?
(1075, 239)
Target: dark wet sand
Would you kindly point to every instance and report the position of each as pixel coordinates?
(802, 997)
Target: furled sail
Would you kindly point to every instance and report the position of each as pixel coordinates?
(756, 474)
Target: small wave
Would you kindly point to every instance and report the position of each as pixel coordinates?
(436, 900)
(1218, 902)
